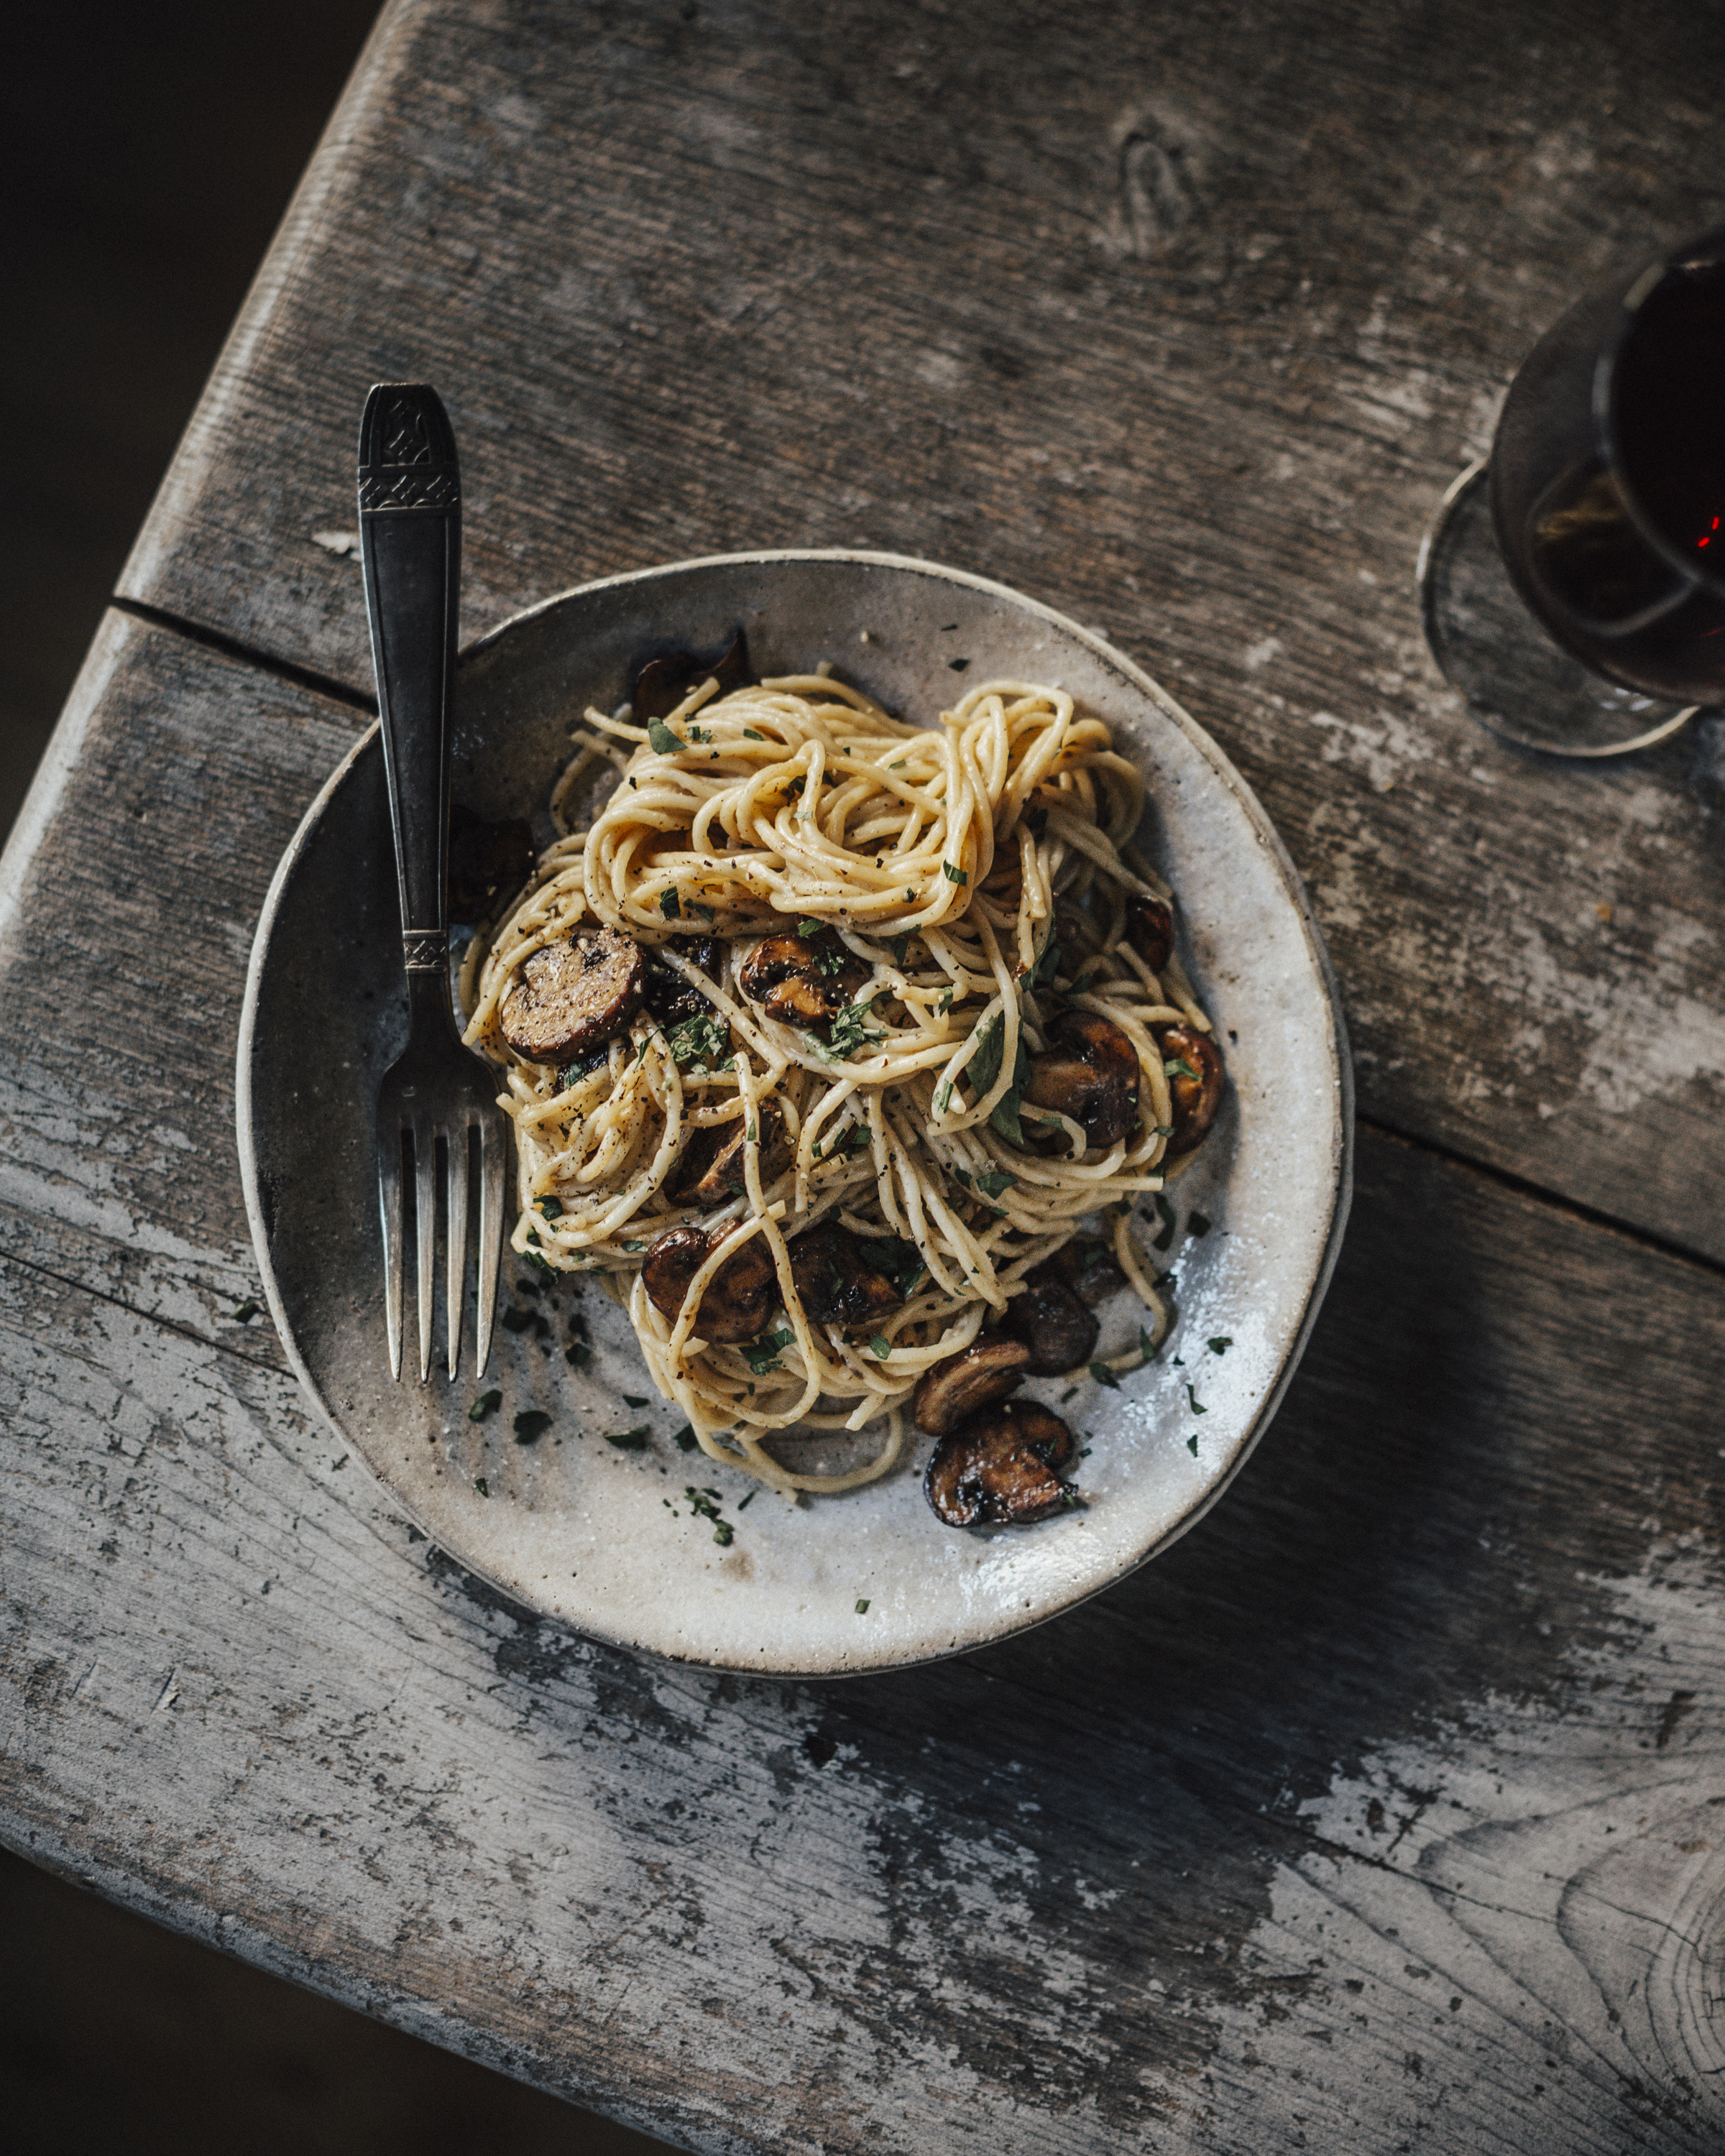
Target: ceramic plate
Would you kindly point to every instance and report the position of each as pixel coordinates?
(582, 1530)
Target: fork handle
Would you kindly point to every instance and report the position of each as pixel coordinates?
(410, 546)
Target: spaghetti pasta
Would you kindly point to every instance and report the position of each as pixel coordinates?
(955, 899)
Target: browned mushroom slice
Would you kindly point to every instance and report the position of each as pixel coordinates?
(804, 980)
(663, 683)
(1060, 1333)
(1150, 930)
(962, 1383)
(666, 993)
(485, 860)
(1196, 1089)
(571, 995)
(735, 1302)
(724, 1177)
(1089, 1072)
(838, 1285)
(1001, 1468)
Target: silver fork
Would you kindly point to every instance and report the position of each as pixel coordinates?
(435, 1094)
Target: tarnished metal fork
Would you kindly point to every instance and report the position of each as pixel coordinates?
(435, 1095)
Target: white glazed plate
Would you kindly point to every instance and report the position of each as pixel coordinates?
(581, 1530)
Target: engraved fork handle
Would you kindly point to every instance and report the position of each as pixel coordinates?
(410, 545)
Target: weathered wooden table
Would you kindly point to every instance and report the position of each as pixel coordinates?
(1386, 1810)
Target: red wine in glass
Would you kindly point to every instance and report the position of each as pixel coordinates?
(1607, 498)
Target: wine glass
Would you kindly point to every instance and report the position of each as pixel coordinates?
(1597, 518)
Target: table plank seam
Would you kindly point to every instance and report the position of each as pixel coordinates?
(84, 1287)
(1592, 1216)
(232, 647)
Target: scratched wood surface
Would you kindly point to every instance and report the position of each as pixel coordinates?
(1386, 1804)
(1180, 319)
(1385, 1810)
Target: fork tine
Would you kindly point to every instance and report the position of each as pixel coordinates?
(389, 1207)
(425, 1204)
(493, 1154)
(456, 1255)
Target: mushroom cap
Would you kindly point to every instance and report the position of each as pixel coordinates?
(1000, 1468)
(736, 1302)
(838, 1285)
(723, 1177)
(1150, 930)
(803, 980)
(571, 995)
(1057, 1328)
(1195, 1099)
(1089, 1072)
(963, 1384)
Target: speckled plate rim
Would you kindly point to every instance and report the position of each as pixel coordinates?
(1225, 775)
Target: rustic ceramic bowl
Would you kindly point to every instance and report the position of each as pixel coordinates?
(603, 1537)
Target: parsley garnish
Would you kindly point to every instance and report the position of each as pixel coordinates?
(810, 927)
(630, 1441)
(1220, 1345)
(636, 1400)
(1198, 1224)
(662, 738)
(984, 1066)
(684, 1440)
(531, 1426)
(996, 1180)
(242, 1313)
(1146, 1346)
(849, 1031)
(881, 1346)
(899, 946)
(670, 905)
(1177, 1069)
(483, 1486)
(551, 1207)
(705, 1505)
(954, 874)
(1104, 1376)
(583, 1066)
(487, 1403)
(516, 1319)
(1044, 969)
(1163, 1239)
(1197, 1407)
(862, 1605)
(763, 1355)
(702, 1039)
(1192, 1444)
(749, 734)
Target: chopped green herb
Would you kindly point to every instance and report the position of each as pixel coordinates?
(1192, 1444)
(700, 734)
(635, 1246)
(487, 1403)
(1198, 1224)
(724, 1534)
(583, 1066)
(670, 906)
(1163, 1239)
(702, 1039)
(483, 1486)
(662, 738)
(763, 1355)
(862, 1605)
(900, 947)
(984, 1065)
(1071, 1394)
(1004, 1117)
(630, 1441)
(1044, 969)
(850, 1029)
(540, 1262)
(637, 1400)
(551, 1207)
(1174, 1068)
(1198, 1407)
(517, 1320)
(743, 1503)
(944, 1005)
(901, 1262)
(705, 912)
(684, 1440)
(958, 665)
(749, 734)
(882, 1345)
(995, 1182)
(1146, 1346)
(899, 765)
(1220, 1345)
(810, 927)
(954, 874)
(1104, 1376)
(578, 1354)
(942, 1096)
(242, 1313)
(531, 1425)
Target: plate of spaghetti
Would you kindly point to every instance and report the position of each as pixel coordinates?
(931, 1106)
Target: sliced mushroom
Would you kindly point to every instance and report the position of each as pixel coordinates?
(1090, 1073)
(838, 1285)
(735, 1302)
(712, 1172)
(572, 995)
(1196, 1098)
(1150, 930)
(804, 980)
(963, 1384)
(663, 683)
(666, 993)
(1060, 1333)
(485, 859)
(1001, 1469)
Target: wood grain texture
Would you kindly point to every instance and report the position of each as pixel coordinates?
(1181, 320)
(1386, 1807)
